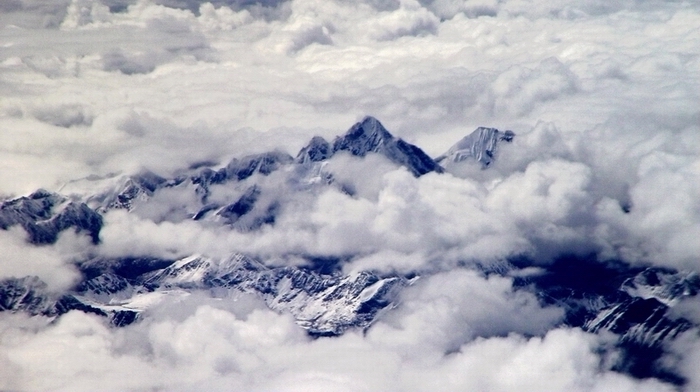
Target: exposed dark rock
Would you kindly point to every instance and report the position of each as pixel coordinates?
(43, 215)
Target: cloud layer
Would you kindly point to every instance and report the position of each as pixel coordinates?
(603, 99)
(202, 343)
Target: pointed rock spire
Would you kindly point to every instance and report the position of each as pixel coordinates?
(318, 149)
(370, 136)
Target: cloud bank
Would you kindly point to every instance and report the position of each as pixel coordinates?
(603, 99)
(200, 343)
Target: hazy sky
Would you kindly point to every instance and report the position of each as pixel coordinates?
(604, 98)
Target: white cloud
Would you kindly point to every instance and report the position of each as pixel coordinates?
(52, 264)
(444, 311)
(519, 89)
(603, 98)
(663, 221)
(220, 346)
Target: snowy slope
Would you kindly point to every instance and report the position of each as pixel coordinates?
(481, 146)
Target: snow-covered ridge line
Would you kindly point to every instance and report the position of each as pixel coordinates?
(366, 137)
(322, 304)
(44, 214)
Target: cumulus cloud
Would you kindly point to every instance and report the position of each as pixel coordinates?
(52, 264)
(449, 309)
(603, 99)
(399, 223)
(239, 345)
(662, 222)
(486, 80)
(196, 341)
(432, 222)
(519, 89)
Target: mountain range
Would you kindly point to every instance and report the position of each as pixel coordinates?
(633, 303)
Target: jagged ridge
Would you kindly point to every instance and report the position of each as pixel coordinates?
(322, 304)
(43, 215)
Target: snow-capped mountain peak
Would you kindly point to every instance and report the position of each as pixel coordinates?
(44, 214)
(196, 270)
(366, 136)
(370, 136)
(666, 286)
(318, 149)
(480, 145)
